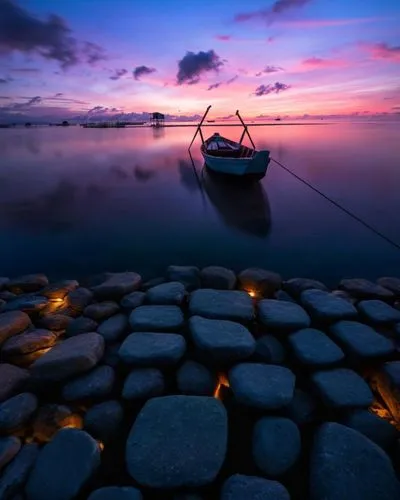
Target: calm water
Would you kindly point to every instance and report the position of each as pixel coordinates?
(75, 202)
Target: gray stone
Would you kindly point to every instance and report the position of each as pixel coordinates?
(156, 319)
(101, 310)
(117, 285)
(246, 381)
(116, 493)
(114, 328)
(63, 466)
(342, 389)
(71, 357)
(302, 408)
(260, 281)
(391, 283)
(28, 342)
(345, 465)
(12, 380)
(221, 340)
(282, 316)
(326, 307)
(17, 411)
(80, 325)
(27, 283)
(187, 446)
(219, 278)
(15, 476)
(3, 282)
(28, 304)
(143, 383)
(296, 286)
(98, 383)
(220, 304)
(364, 289)
(269, 350)
(54, 322)
(240, 487)
(9, 447)
(132, 300)
(103, 420)
(59, 289)
(51, 418)
(195, 379)
(378, 312)
(189, 276)
(152, 349)
(361, 341)
(172, 293)
(314, 349)
(276, 445)
(76, 301)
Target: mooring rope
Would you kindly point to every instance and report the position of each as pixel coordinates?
(336, 204)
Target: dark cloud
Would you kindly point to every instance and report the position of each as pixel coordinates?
(3, 80)
(233, 79)
(269, 69)
(93, 53)
(140, 71)
(118, 74)
(214, 86)
(4, 97)
(192, 65)
(278, 8)
(218, 84)
(396, 107)
(25, 70)
(271, 89)
(59, 94)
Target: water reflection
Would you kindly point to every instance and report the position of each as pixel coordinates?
(187, 175)
(143, 174)
(158, 132)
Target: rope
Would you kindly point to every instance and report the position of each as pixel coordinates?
(337, 205)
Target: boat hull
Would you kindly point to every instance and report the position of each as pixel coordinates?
(253, 167)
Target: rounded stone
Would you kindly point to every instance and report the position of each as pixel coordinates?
(28, 342)
(12, 379)
(189, 276)
(391, 283)
(269, 350)
(364, 289)
(172, 293)
(96, 384)
(195, 379)
(117, 285)
(156, 319)
(116, 493)
(143, 383)
(59, 289)
(327, 307)
(29, 304)
(51, 418)
(17, 472)
(296, 286)
(313, 348)
(114, 328)
(103, 420)
(219, 278)
(302, 408)
(152, 349)
(262, 282)
(76, 301)
(17, 411)
(27, 283)
(231, 305)
(240, 487)
(132, 300)
(80, 325)
(378, 312)
(54, 322)
(282, 316)
(101, 310)
(12, 323)
(9, 447)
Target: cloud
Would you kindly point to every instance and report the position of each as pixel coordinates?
(25, 70)
(326, 23)
(214, 86)
(4, 97)
(271, 89)
(231, 80)
(382, 51)
(140, 71)
(396, 107)
(278, 8)
(224, 38)
(4, 80)
(118, 74)
(319, 62)
(192, 65)
(269, 69)
(59, 94)
(218, 84)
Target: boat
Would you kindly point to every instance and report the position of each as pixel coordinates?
(225, 156)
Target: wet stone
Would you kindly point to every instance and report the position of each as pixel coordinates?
(59, 289)
(143, 383)
(16, 411)
(152, 349)
(282, 316)
(302, 408)
(80, 325)
(117, 285)
(98, 383)
(28, 342)
(112, 329)
(314, 349)
(116, 493)
(189, 276)
(391, 283)
(156, 319)
(27, 283)
(172, 293)
(103, 420)
(269, 350)
(240, 487)
(220, 304)
(101, 310)
(296, 286)
(29, 304)
(12, 380)
(262, 282)
(51, 418)
(76, 302)
(54, 322)
(378, 312)
(16, 474)
(364, 289)
(219, 278)
(132, 300)
(326, 307)
(195, 379)
(9, 447)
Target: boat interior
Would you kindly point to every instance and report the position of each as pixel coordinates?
(224, 148)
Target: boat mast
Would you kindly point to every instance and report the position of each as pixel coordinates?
(244, 131)
(199, 128)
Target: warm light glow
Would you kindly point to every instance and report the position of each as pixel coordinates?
(252, 293)
(73, 421)
(100, 445)
(222, 381)
(57, 300)
(384, 413)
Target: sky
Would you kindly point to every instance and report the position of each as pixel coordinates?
(91, 59)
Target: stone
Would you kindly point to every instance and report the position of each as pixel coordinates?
(25, 360)
(391, 283)
(69, 358)
(361, 341)
(80, 325)
(9, 447)
(63, 466)
(344, 295)
(220, 304)
(187, 446)
(364, 289)
(114, 328)
(326, 307)
(7, 296)
(388, 384)
(296, 286)
(156, 319)
(116, 493)
(76, 301)
(17, 411)
(101, 310)
(378, 312)
(342, 388)
(117, 285)
(302, 408)
(345, 465)
(276, 445)
(27, 283)
(143, 383)
(219, 278)
(54, 322)
(221, 340)
(282, 316)
(29, 304)
(111, 355)
(132, 300)
(58, 290)
(189, 276)
(240, 487)
(152, 349)
(277, 391)
(153, 282)
(195, 379)
(260, 281)
(172, 293)
(28, 342)
(314, 349)
(103, 420)
(269, 350)
(282, 295)
(17, 472)
(12, 379)
(51, 418)
(98, 383)
(3, 282)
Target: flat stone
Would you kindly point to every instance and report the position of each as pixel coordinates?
(51, 418)
(103, 420)
(54, 322)
(219, 278)
(152, 349)
(282, 316)
(240, 487)
(156, 319)
(269, 350)
(314, 349)
(221, 340)
(117, 285)
(219, 304)
(16, 411)
(59, 289)
(9, 447)
(12, 380)
(276, 392)
(326, 307)
(16, 474)
(71, 357)
(195, 379)
(172, 293)
(101, 310)
(3, 282)
(80, 325)
(345, 465)
(143, 383)
(264, 283)
(189, 276)
(28, 304)
(364, 289)
(378, 312)
(342, 388)
(361, 341)
(296, 286)
(28, 342)
(27, 283)
(276, 445)
(391, 283)
(63, 466)
(76, 301)
(98, 383)
(302, 408)
(177, 441)
(116, 493)
(132, 300)
(114, 328)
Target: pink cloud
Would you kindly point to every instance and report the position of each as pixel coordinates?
(318, 62)
(224, 38)
(383, 51)
(323, 23)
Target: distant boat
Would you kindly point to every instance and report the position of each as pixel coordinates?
(210, 121)
(278, 119)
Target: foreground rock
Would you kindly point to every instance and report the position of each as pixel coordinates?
(345, 465)
(327, 307)
(96, 384)
(12, 323)
(219, 304)
(116, 493)
(156, 319)
(282, 316)
(378, 312)
(12, 379)
(15, 476)
(269, 350)
(261, 282)
(101, 310)
(51, 418)
(63, 466)
(364, 289)
(54, 322)
(195, 379)
(314, 349)
(303, 408)
(219, 278)
(103, 421)
(240, 487)
(143, 383)
(29, 304)
(59, 289)
(80, 325)
(296, 286)
(172, 293)
(114, 328)
(28, 342)
(189, 276)
(76, 302)
(152, 349)
(117, 285)
(9, 447)
(132, 300)
(27, 283)
(185, 449)
(17, 411)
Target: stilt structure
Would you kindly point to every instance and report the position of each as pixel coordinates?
(157, 120)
